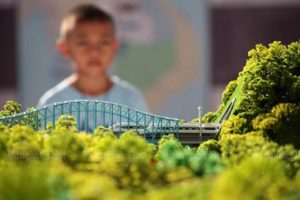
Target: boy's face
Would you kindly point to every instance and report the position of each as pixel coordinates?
(91, 46)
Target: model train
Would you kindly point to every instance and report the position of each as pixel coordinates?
(186, 133)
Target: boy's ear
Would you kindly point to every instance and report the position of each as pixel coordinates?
(63, 48)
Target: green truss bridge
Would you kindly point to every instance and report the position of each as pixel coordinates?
(90, 114)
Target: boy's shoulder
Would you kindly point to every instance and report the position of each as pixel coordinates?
(124, 86)
(57, 93)
(127, 94)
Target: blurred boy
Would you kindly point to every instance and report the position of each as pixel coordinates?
(88, 40)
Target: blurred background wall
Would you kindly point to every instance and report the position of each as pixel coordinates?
(205, 42)
(8, 51)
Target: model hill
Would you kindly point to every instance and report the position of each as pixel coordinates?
(266, 95)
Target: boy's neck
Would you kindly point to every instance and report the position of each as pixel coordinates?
(91, 86)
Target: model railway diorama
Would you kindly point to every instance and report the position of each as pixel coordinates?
(81, 149)
(90, 114)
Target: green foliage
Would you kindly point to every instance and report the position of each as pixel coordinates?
(32, 118)
(282, 119)
(178, 163)
(265, 80)
(166, 138)
(93, 186)
(66, 121)
(208, 117)
(24, 181)
(128, 161)
(236, 148)
(10, 108)
(235, 125)
(292, 58)
(267, 95)
(294, 90)
(66, 164)
(229, 91)
(101, 130)
(269, 179)
(3, 139)
(189, 189)
(49, 127)
(210, 146)
(66, 145)
(23, 143)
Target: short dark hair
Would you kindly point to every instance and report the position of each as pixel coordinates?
(83, 13)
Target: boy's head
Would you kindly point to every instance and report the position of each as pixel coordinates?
(88, 39)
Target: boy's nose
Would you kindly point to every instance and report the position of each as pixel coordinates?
(95, 49)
